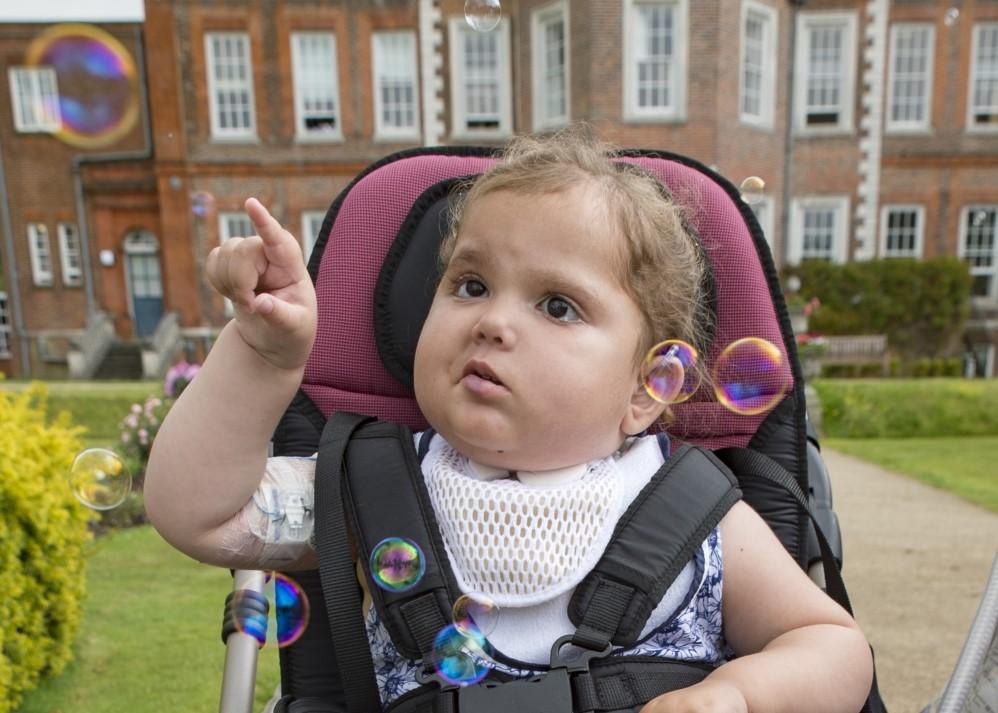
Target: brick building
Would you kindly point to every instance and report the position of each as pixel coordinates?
(873, 122)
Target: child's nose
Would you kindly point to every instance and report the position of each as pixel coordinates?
(495, 326)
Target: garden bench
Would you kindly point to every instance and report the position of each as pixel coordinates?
(857, 349)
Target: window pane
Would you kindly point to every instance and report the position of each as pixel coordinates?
(979, 248)
(909, 91)
(481, 80)
(819, 234)
(395, 67)
(314, 57)
(985, 73)
(823, 96)
(230, 82)
(752, 63)
(655, 56)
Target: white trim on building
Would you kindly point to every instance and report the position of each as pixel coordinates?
(481, 85)
(757, 70)
(655, 77)
(825, 91)
(550, 62)
(819, 229)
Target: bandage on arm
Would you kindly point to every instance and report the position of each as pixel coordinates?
(274, 528)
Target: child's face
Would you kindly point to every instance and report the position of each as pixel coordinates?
(531, 299)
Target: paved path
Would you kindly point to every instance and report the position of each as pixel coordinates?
(916, 562)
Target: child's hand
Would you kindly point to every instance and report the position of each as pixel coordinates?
(274, 299)
(705, 697)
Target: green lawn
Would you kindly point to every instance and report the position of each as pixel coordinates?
(964, 465)
(150, 638)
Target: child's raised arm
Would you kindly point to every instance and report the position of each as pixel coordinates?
(210, 452)
(797, 649)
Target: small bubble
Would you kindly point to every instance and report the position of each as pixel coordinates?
(475, 614)
(951, 16)
(461, 659)
(99, 479)
(397, 564)
(668, 371)
(291, 609)
(482, 15)
(980, 217)
(750, 376)
(753, 190)
(202, 203)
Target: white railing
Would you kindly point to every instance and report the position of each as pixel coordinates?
(162, 347)
(90, 346)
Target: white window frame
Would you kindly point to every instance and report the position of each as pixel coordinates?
(218, 132)
(457, 29)
(992, 270)
(975, 75)
(807, 21)
(40, 252)
(330, 86)
(226, 225)
(903, 126)
(989, 359)
(34, 99)
(70, 254)
(379, 69)
(767, 89)
(795, 244)
(885, 212)
(539, 20)
(676, 110)
(310, 218)
(766, 222)
(4, 326)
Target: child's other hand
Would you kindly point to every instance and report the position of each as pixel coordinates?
(705, 697)
(265, 277)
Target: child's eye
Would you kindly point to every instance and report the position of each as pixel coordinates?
(560, 308)
(470, 287)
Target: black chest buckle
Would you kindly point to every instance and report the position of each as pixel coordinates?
(549, 692)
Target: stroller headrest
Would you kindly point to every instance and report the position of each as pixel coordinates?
(374, 266)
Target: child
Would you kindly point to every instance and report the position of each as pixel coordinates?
(560, 272)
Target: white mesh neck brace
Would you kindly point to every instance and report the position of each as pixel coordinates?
(521, 543)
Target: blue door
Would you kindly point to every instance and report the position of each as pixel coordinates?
(144, 281)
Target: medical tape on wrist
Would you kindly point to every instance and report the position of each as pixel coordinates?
(277, 523)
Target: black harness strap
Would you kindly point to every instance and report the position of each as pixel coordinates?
(386, 497)
(336, 568)
(651, 544)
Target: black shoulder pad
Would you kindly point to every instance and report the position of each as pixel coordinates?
(656, 537)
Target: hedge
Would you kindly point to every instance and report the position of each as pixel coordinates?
(43, 530)
(922, 306)
(902, 408)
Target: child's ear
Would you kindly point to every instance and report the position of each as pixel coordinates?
(642, 411)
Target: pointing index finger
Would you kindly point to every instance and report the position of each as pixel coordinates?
(266, 225)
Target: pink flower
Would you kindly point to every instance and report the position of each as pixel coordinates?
(132, 421)
(136, 408)
(126, 437)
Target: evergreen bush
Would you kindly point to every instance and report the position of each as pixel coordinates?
(922, 306)
(43, 530)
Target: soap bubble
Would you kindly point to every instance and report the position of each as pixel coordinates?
(99, 479)
(753, 190)
(397, 564)
(291, 608)
(668, 371)
(951, 16)
(482, 15)
(750, 376)
(202, 203)
(475, 614)
(97, 83)
(980, 217)
(461, 659)
(249, 609)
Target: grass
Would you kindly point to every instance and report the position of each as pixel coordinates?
(964, 465)
(149, 640)
(98, 406)
(901, 408)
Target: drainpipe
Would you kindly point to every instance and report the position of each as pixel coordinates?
(80, 159)
(788, 138)
(14, 292)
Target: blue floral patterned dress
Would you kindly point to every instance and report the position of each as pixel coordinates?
(692, 634)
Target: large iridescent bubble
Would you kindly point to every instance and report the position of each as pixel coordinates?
(397, 564)
(750, 376)
(461, 659)
(97, 83)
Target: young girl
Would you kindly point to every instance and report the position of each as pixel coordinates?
(560, 272)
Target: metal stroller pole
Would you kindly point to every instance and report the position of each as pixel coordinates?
(241, 649)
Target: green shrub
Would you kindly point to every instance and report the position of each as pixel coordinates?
(902, 408)
(921, 306)
(43, 530)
